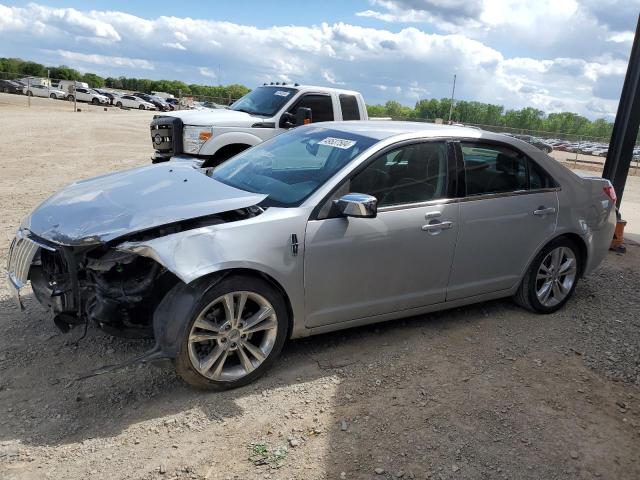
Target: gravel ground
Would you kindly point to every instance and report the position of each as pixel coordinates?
(486, 391)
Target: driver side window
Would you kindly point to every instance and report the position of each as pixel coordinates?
(409, 174)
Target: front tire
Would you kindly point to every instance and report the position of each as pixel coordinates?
(52, 96)
(235, 333)
(119, 104)
(141, 107)
(70, 98)
(29, 93)
(552, 277)
(95, 101)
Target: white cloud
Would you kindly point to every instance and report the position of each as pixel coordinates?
(405, 65)
(106, 60)
(176, 45)
(207, 72)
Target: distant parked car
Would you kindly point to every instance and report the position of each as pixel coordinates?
(88, 95)
(110, 95)
(159, 103)
(535, 141)
(9, 86)
(131, 101)
(44, 91)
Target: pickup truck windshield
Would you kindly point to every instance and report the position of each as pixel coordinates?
(290, 167)
(265, 101)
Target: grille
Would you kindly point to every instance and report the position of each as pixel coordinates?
(21, 255)
(166, 135)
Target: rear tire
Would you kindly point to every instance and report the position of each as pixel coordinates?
(240, 362)
(29, 93)
(70, 98)
(5, 90)
(551, 278)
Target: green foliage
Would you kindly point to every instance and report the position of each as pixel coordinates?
(11, 67)
(261, 454)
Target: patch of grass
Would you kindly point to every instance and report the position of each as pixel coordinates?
(261, 454)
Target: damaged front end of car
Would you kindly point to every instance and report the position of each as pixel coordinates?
(71, 247)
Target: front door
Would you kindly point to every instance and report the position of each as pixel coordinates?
(509, 212)
(362, 267)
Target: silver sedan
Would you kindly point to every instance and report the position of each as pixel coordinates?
(319, 229)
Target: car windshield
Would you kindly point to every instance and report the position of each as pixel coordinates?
(265, 101)
(291, 166)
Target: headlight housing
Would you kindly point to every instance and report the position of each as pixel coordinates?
(194, 137)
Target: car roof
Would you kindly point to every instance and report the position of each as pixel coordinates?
(306, 88)
(382, 129)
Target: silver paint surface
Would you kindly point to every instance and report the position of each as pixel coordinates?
(348, 271)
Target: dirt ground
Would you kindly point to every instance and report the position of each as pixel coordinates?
(482, 392)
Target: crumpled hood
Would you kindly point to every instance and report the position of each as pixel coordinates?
(110, 206)
(220, 117)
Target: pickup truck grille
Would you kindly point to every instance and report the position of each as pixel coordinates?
(166, 137)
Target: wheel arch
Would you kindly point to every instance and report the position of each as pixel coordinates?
(575, 238)
(218, 275)
(169, 328)
(225, 153)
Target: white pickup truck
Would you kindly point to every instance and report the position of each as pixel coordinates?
(263, 113)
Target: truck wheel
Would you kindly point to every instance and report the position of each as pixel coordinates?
(119, 104)
(235, 332)
(552, 277)
(141, 107)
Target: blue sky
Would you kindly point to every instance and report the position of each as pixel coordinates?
(551, 54)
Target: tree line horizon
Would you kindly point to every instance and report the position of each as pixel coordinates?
(469, 112)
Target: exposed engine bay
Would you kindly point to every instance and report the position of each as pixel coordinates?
(116, 290)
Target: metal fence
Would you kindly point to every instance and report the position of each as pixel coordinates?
(580, 152)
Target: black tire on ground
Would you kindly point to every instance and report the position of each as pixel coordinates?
(70, 98)
(53, 95)
(5, 89)
(29, 93)
(95, 101)
(526, 295)
(119, 104)
(238, 283)
(141, 107)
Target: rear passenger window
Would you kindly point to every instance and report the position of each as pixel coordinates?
(497, 169)
(321, 107)
(349, 106)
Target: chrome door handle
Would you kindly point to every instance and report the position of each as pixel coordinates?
(431, 227)
(544, 211)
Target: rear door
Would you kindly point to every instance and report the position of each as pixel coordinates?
(508, 211)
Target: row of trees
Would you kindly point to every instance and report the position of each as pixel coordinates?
(478, 113)
(463, 111)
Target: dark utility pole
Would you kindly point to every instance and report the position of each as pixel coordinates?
(625, 128)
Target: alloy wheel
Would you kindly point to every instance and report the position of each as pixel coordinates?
(556, 276)
(232, 336)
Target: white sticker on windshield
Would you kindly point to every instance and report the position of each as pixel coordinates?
(337, 142)
(281, 93)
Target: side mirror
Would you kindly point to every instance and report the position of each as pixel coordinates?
(358, 205)
(303, 116)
